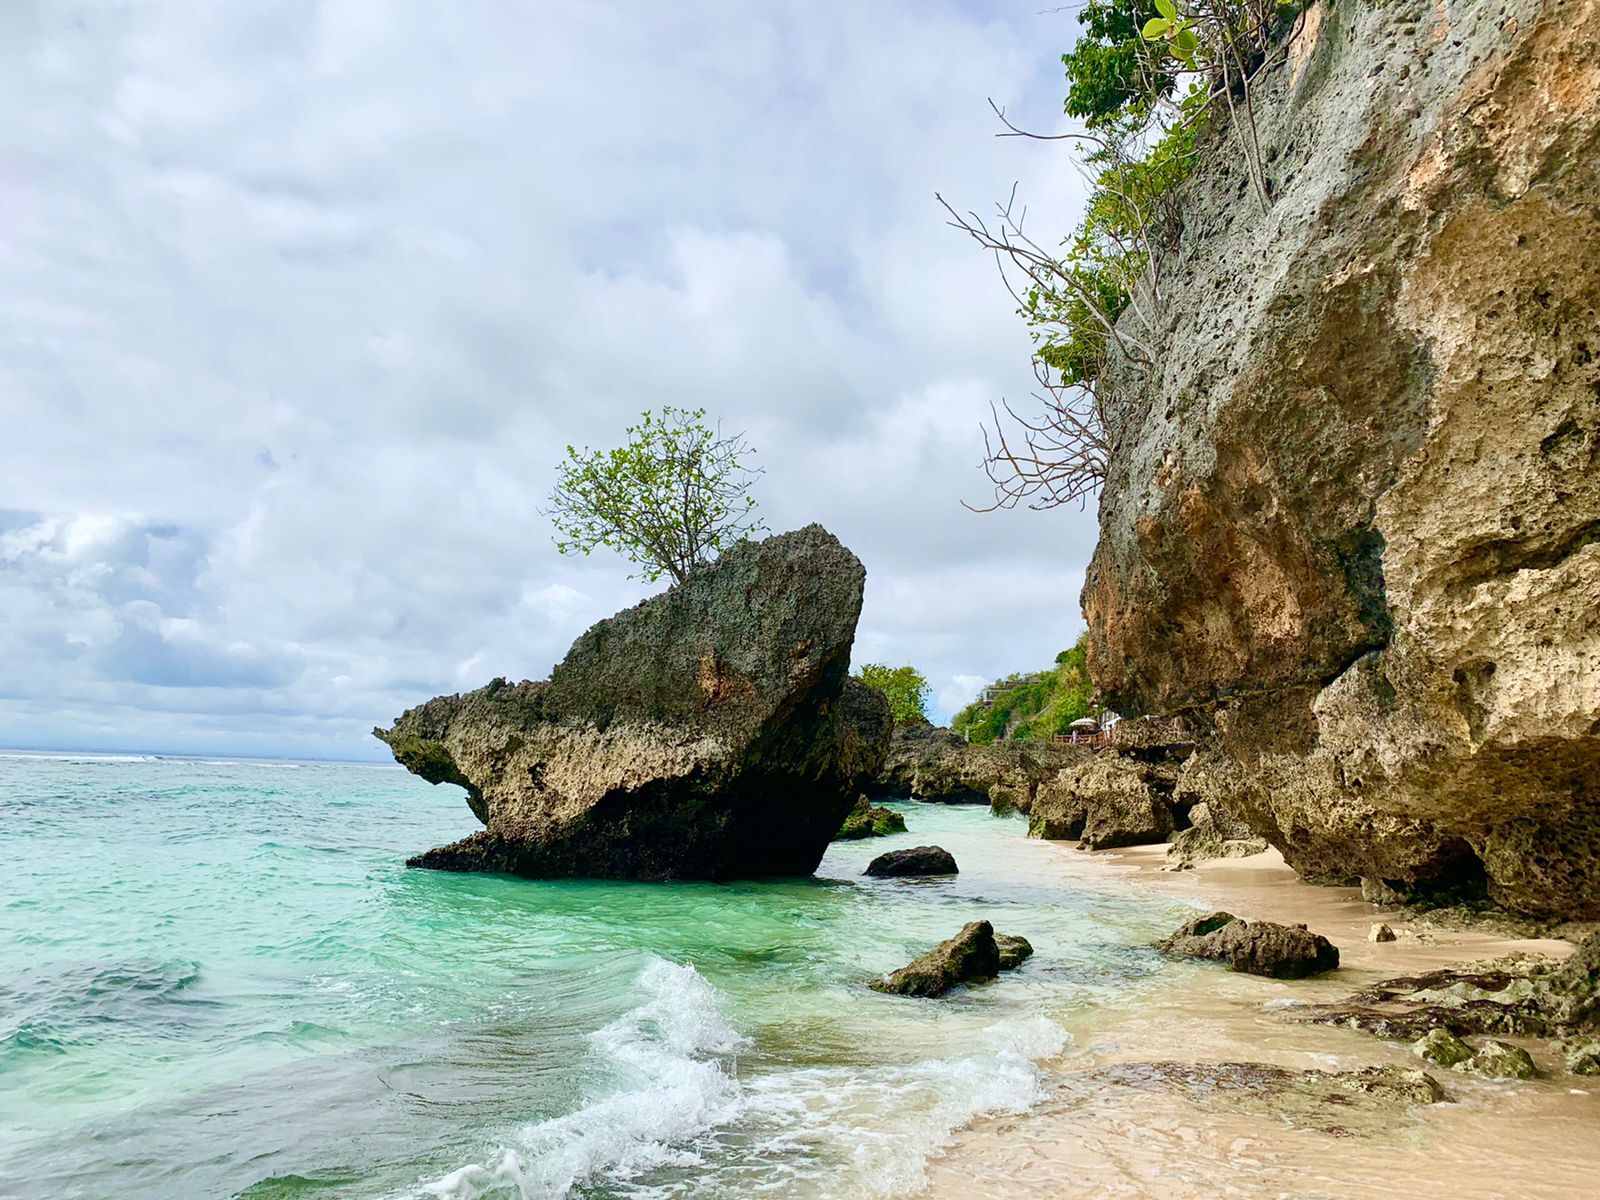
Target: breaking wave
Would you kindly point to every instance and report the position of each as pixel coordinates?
(673, 1118)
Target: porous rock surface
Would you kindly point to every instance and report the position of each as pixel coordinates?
(1212, 835)
(1351, 524)
(926, 762)
(1520, 996)
(1107, 800)
(1254, 947)
(710, 732)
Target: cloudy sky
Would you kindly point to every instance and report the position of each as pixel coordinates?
(300, 301)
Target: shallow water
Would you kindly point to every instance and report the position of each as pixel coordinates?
(217, 979)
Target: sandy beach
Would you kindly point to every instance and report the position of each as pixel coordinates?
(1111, 1128)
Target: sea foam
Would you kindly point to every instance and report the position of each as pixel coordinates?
(674, 1105)
(667, 1071)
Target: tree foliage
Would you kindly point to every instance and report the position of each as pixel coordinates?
(1111, 79)
(674, 496)
(1147, 78)
(1038, 705)
(906, 688)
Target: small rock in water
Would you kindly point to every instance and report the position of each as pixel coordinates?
(869, 820)
(1013, 950)
(970, 956)
(1582, 1054)
(1255, 947)
(1500, 1060)
(1380, 933)
(1442, 1047)
(919, 860)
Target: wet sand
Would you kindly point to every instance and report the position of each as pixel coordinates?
(1099, 1137)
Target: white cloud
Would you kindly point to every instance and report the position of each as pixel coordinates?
(322, 290)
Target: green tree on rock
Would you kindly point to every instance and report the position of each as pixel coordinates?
(905, 688)
(673, 497)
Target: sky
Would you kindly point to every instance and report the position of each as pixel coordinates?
(301, 303)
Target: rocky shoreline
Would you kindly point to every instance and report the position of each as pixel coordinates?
(1329, 1111)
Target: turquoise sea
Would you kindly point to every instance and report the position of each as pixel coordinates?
(217, 978)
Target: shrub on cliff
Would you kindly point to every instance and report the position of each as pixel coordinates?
(1149, 79)
(674, 496)
(1039, 705)
(905, 688)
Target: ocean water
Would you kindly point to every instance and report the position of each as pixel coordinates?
(217, 979)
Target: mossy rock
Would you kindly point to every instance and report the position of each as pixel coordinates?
(866, 820)
(1500, 1060)
(1582, 1054)
(1442, 1047)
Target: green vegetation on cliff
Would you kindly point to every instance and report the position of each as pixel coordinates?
(1039, 705)
(905, 688)
(1154, 82)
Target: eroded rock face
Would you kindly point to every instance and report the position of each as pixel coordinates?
(1254, 947)
(1351, 524)
(709, 732)
(1107, 800)
(1211, 836)
(931, 763)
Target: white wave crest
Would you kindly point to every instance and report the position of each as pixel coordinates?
(673, 1100)
(667, 1078)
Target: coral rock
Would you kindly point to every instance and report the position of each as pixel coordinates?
(709, 732)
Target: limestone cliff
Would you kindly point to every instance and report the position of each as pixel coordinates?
(1351, 524)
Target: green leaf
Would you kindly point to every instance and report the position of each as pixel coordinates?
(1155, 29)
(1186, 41)
(1167, 9)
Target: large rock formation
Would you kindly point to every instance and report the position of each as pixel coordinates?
(1108, 800)
(1351, 524)
(710, 732)
(931, 763)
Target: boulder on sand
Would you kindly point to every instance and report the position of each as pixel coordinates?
(1106, 801)
(973, 955)
(919, 860)
(1255, 947)
(1212, 834)
(710, 732)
